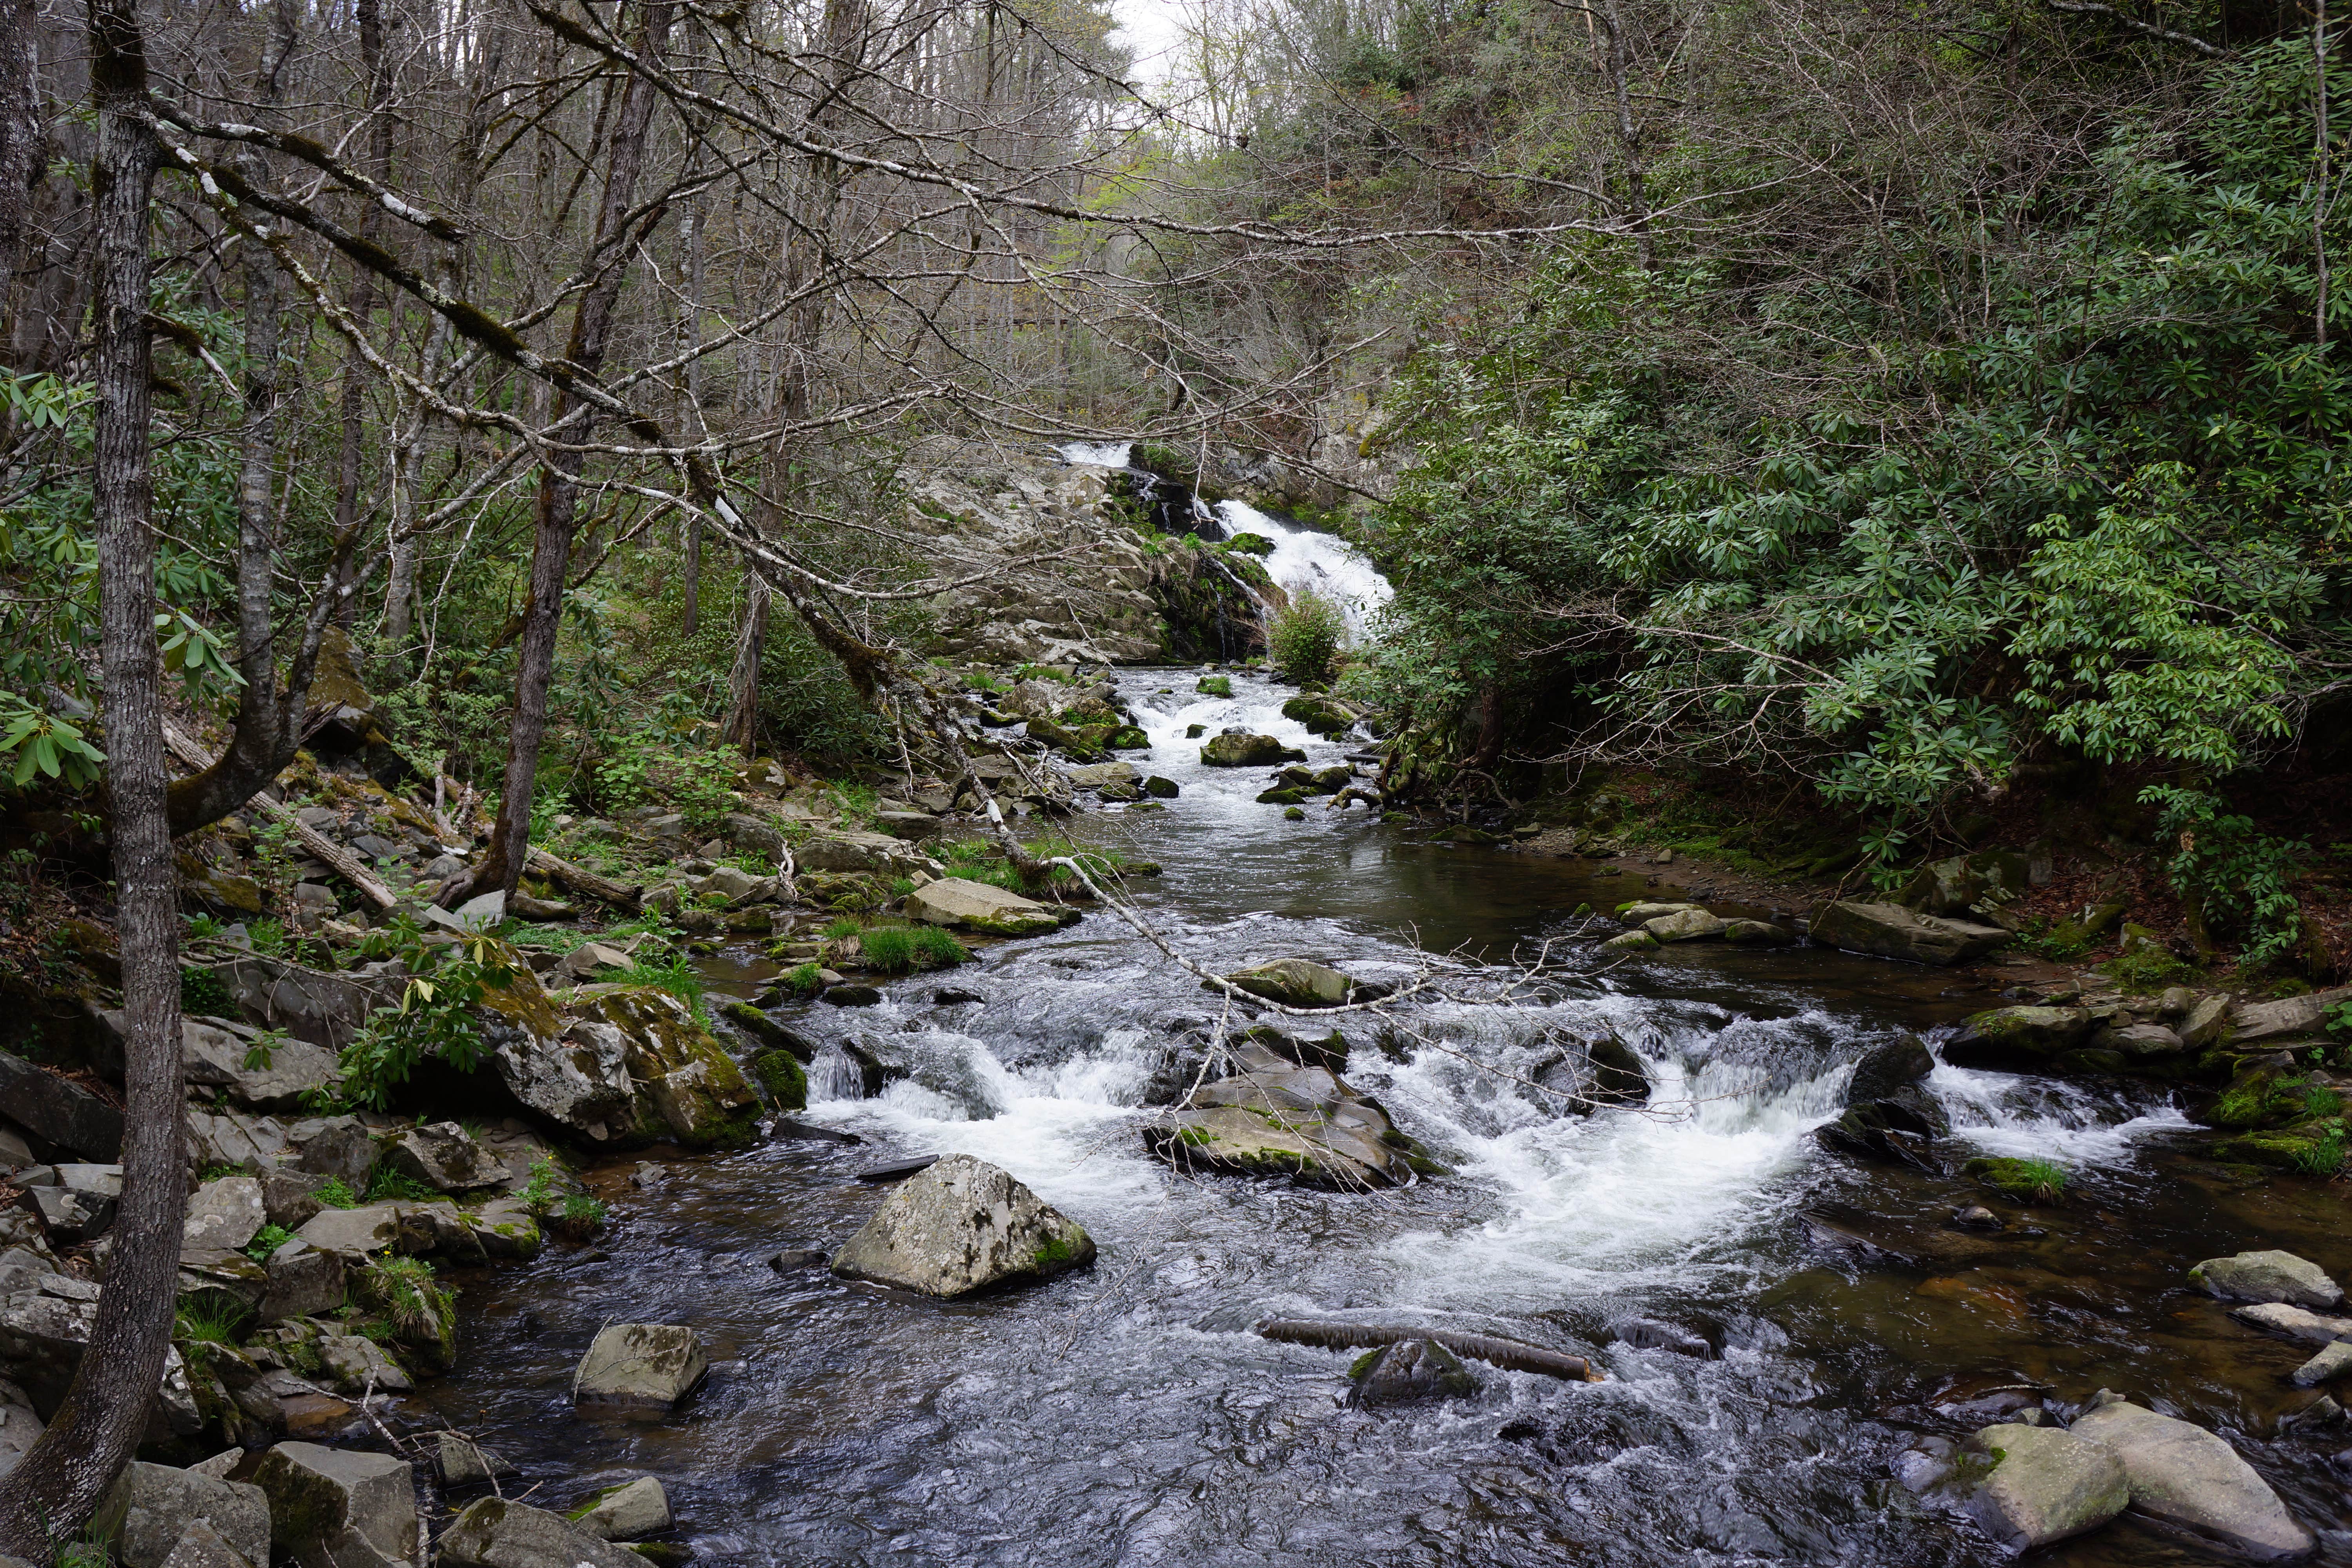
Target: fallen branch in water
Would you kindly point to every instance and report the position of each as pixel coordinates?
(1512, 1355)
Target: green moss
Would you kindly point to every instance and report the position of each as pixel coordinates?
(781, 1074)
(2027, 1181)
(1214, 686)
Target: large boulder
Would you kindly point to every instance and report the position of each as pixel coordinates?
(2187, 1477)
(628, 1065)
(267, 1075)
(2290, 1018)
(2267, 1277)
(1685, 925)
(2295, 1322)
(496, 1533)
(1296, 982)
(303, 1282)
(1240, 749)
(151, 1505)
(639, 1367)
(1890, 930)
(2044, 1485)
(963, 1225)
(1889, 1114)
(226, 1214)
(847, 851)
(57, 1109)
(978, 907)
(44, 1329)
(354, 1234)
(2018, 1039)
(323, 1006)
(340, 1508)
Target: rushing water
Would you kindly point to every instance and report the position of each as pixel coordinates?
(1127, 1415)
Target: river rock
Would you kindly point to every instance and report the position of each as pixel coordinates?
(1294, 982)
(976, 906)
(338, 1507)
(1889, 1069)
(336, 1146)
(2045, 1485)
(2187, 1477)
(445, 1157)
(1240, 749)
(1410, 1372)
(2292, 1017)
(463, 1462)
(351, 1234)
(495, 1533)
(2018, 1039)
(71, 1214)
(628, 1512)
(1685, 925)
(624, 1065)
(151, 1505)
(226, 1214)
(639, 1366)
(844, 850)
(324, 1007)
(357, 1363)
(303, 1282)
(1098, 775)
(2333, 1362)
(1632, 941)
(1890, 930)
(57, 1109)
(1757, 933)
(959, 1226)
(2295, 1322)
(2267, 1277)
(1305, 1123)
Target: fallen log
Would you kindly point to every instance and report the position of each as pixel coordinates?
(1512, 1355)
(345, 864)
(579, 879)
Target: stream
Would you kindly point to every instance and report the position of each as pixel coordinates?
(1127, 1415)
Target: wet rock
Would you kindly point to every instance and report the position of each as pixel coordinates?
(976, 906)
(2187, 1477)
(2295, 1322)
(151, 1505)
(1294, 982)
(495, 1533)
(1685, 925)
(1100, 775)
(1890, 930)
(1757, 933)
(960, 1226)
(628, 1512)
(1319, 715)
(639, 1367)
(57, 1109)
(2045, 1485)
(1975, 1216)
(2018, 1039)
(445, 1157)
(792, 1259)
(1632, 941)
(853, 995)
(2332, 1362)
(462, 1462)
(2271, 1276)
(1410, 1372)
(2294, 1017)
(1305, 1123)
(1889, 1114)
(1240, 749)
(226, 1214)
(338, 1507)
(357, 1363)
(1161, 788)
(1656, 1334)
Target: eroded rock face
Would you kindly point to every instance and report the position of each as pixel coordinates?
(1890, 930)
(959, 1226)
(639, 1367)
(2268, 1277)
(2045, 1484)
(2185, 1476)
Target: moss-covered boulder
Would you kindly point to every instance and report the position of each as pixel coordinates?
(2019, 1039)
(1082, 741)
(1303, 1124)
(1214, 686)
(1320, 715)
(1296, 982)
(779, 1073)
(1240, 749)
(626, 1064)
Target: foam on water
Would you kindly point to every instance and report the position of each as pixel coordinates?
(2051, 1118)
(1323, 562)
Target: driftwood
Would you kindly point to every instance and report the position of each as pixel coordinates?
(344, 863)
(1512, 1355)
(579, 879)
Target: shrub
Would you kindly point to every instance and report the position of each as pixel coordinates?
(267, 1240)
(2232, 875)
(1306, 638)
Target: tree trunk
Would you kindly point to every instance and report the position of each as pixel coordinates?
(21, 140)
(743, 728)
(559, 486)
(51, 1494)
(690, 340)
(370, 14)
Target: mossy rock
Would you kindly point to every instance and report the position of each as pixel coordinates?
(1086, 741)
(2313, 1147)
(1129, 738)
(687, 1088)
(1214, 686)
(2026, 1181)
(1290, 797)
(781, 1074)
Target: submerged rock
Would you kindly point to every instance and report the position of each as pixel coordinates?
(959, 1226)
(2045, 1485)
(1407, 1373)
(1305, 1123)
(2187, 1477)
(1890, 930)
(2295, 1322)
(2271, 1276)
